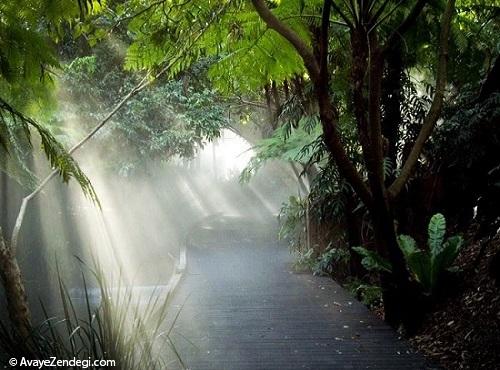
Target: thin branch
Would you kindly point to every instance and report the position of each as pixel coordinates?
(371, 6)
(146, 9)
(342, 15)
(252, 104)
(379, 11)
(145, 82)
(312, 16)
(355, 11)
(389, 13)
(323, 47)
(406, 24)
(436, 106)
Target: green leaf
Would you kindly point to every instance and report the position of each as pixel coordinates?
(443, 260)
(407, 245)
(372, 261)
(451, 249)
(436, 230)
(419, 263)
(56, 154)
(427, 266)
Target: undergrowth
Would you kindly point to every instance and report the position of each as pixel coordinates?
(122, 326)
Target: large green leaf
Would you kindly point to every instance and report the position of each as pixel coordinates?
(372, 261)
(442, 261)
(427, 266)
(436, 230)
(419, 263)
(451, 249)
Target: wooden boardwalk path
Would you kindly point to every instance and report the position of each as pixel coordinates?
(244, 308)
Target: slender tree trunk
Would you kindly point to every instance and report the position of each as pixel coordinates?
(10, 274)
(276, 96)
(17, 301)
(354, 239)
(368, 64)
(391, 100)
(286, 89)
(490, 86)
(268, 128)
(298, 88)
(303, 194)
(397, 294)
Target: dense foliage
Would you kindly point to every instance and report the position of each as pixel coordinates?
(27, 62)
(171, 118)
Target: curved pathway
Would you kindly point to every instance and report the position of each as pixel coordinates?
(240, 306)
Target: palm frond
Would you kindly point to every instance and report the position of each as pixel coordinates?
(15, 127)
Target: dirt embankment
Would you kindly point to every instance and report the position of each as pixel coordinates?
(463, 331)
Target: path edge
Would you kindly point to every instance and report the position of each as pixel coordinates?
(178, 272)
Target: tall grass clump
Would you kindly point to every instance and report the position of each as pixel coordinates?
(122, 326)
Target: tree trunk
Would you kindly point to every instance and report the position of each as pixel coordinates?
(269, 127)
(17, 301)
(400, 296)
(368, 64)
(391, 100)
(286, 89)
(354, 238)
(490, 86)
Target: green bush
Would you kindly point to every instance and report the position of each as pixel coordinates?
(303, 260)
(426, 266)
(329, 260)
(369, 294)
(292, 218)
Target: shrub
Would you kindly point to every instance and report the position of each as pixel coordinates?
(369, 294)
(304, 260)
(329, 260)
(122, 327)
(426, 266)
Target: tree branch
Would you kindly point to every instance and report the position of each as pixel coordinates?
(342, 15)
(436, 106)
(405, 25)
(274, 23)
(323, 47)
(252, 103)
(328, 113)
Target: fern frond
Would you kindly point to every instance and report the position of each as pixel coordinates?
(57, 156)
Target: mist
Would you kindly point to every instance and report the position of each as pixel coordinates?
(145, 218)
